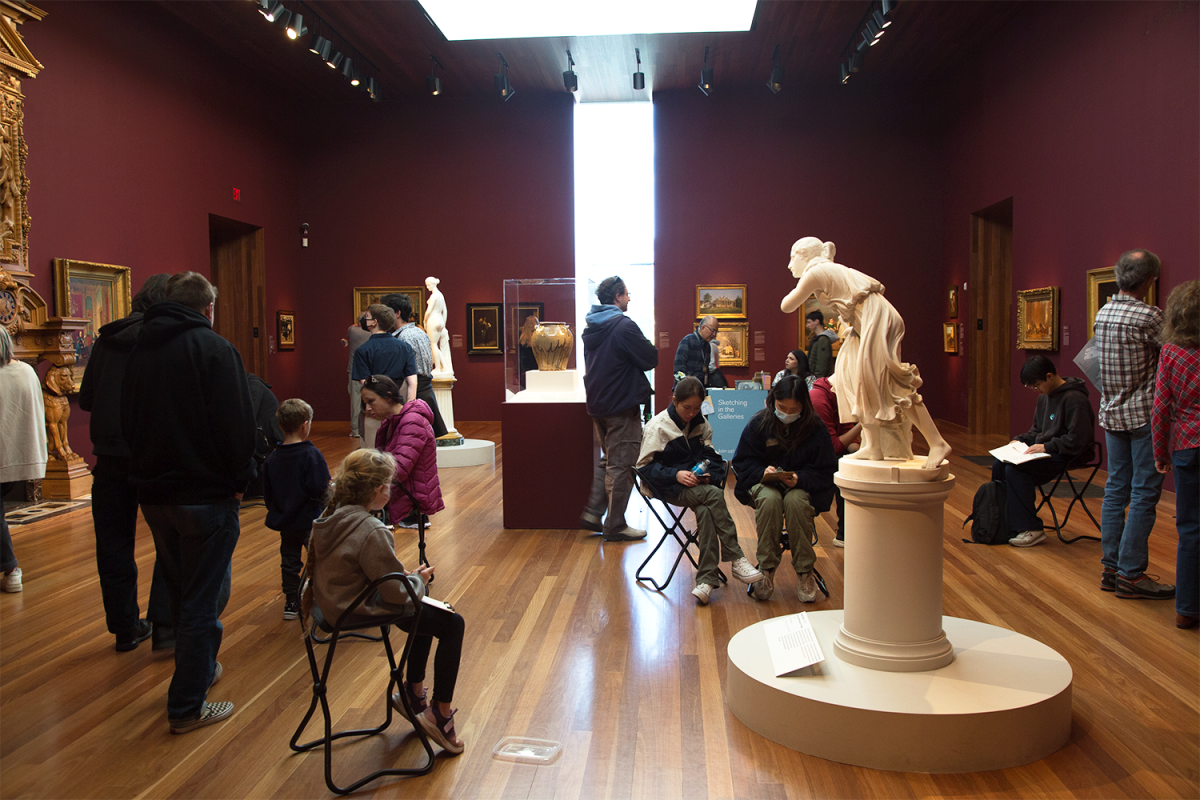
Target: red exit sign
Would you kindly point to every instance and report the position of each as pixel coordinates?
(237, 195)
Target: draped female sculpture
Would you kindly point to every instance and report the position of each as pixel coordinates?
(435, 326)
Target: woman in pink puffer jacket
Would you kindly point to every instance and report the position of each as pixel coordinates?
(407, 434)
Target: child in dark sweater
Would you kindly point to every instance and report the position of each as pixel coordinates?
(295, 480)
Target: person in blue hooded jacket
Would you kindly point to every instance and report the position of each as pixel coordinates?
(616, 355)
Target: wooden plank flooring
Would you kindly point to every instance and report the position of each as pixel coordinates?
(563, 644)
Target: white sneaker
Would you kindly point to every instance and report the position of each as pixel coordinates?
(762, 590)
(1028, 538)
(744, 572)
(806, 589)
(11, 581)
(702, 592)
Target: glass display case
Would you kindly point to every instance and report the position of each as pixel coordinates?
(540, 320)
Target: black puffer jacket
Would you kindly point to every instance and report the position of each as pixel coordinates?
(812, 460)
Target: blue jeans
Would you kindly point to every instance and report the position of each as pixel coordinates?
(1187, 522)
(195, 548)
(1133, 483)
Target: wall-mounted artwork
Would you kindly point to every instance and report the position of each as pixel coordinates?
(485, 335)
(733, 344)
(516, 323)
(1102, 287)
(1037, 319)
(367, 295)
(285, 323)
(723, 301)
(99, 293)
(952, 301)
(950, 338)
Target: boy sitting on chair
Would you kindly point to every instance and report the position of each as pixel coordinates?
(1063, 427)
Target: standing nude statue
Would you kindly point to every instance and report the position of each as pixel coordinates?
(873, 386)
(435, 326)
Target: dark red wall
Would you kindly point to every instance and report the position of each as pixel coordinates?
(740, 178)
(136, 133)
(1088, 116)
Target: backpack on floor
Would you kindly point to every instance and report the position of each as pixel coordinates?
(989, 515)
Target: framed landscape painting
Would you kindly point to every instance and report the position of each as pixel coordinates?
(733, 344)
(721, 300)
(99, 293)
(366, 295)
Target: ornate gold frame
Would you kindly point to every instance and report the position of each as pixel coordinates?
(950, 338)
(366, 295)
(67, 272)
(285, 329)
(701, 288)
(742, 360)
(1037, 319)
(1098, 284)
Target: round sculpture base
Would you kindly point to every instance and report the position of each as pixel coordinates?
(897, 657)
(1005, 700)
(471, 453)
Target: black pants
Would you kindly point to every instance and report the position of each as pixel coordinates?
(8, 558)
(291, 560)
(425, 392)
(448, 627)
(1021, 481)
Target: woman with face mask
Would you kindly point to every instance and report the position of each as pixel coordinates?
(785, 437)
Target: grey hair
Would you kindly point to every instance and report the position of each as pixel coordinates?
(1135, 267)
(6, 347)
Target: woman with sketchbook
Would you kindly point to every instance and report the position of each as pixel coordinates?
(1063, 435)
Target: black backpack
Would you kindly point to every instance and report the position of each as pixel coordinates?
(989, 515)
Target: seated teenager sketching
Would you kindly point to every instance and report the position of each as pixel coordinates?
(348, 550)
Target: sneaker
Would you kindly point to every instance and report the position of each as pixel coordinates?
(702, 592)
(291, 609)
(163, 638)
(213, 712)
(131, 638)
(806, 589)
(11, 581)
(1184, 621)
(411, 521)
(1028, 538)
(218, 671)
(417, 701)
(762, 590)
(744, 572)
(441, 730)
(1108, 580)
(839, 540)
(590, 521)
(626, 534)
(1145, 587)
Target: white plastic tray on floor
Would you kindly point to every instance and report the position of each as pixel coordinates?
(526, 751)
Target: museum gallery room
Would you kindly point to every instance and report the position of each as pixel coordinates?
(987, 162)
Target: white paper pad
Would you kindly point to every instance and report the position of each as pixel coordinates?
(1014, 453)
(793, 643)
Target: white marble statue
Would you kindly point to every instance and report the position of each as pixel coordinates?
(873, 386)
(435, 326)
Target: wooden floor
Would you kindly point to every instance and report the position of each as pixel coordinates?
(562, 644)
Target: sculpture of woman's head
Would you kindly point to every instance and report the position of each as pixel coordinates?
(809, 250)
(431, 283)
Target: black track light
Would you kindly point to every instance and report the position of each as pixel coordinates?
(264, 6)
(845, 73)
(336, 61)
(873, 29)
(348, 70)
(865, 43)
(282, 18)
(433, 84)
(274, 12)
(373, 89)
(775, 82)
(322, 47)
(502, 85)
(706, 76)
(888, 7)
(639, 78)
(880, 19)
(856, 60)
(570, 79)
(295, 28)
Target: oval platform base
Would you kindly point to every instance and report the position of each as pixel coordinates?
(1003, 701)
(471, 453)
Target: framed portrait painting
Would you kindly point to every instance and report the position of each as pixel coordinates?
(99, 293)
(950, 338)
(733, 344)
(952, 301)
(367, 295)
(1102, 287)
(1037, 319)
(721, 300)
(484, 326)
(285, 323)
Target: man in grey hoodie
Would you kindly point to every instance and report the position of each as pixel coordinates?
(820, 345)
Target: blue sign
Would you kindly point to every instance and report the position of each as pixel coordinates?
(731, 410)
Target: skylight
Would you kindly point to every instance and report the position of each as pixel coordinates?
(520, 19)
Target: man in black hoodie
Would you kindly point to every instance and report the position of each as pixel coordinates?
(189, 423)
(1063, 428)
(114, 498)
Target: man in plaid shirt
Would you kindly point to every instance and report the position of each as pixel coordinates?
(1129, 336)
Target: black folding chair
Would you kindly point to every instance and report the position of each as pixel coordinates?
(1077, 490)
(676, 530)
(345, 625)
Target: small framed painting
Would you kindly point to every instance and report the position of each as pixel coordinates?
(484, 327)
(367, 295)
(733, 344)
(950, 338)
(952, 301)
(99, 293)
(721, 300)
(1102, 287)
(1037, 319)
(285, 323)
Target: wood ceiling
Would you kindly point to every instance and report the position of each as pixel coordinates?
(928, 38)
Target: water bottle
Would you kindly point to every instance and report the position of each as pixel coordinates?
(702, 467)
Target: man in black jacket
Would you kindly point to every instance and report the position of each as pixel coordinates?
(1063, 428)
(617, 356)
(190, 427)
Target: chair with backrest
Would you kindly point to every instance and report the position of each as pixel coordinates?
(1077, 490)
(676, 530)
(346, 625)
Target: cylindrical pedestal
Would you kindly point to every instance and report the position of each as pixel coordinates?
(442, 386)
(893, 595)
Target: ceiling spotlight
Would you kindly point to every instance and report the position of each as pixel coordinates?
(335, 62)
(706, 76)
(880, 19)
(865, 43)
(856, 60)
(775, 82)
(295, 28)
(570, 79)
(274, 12)
(874, 29)
(282, 17)
(321, 46)
(845, 73)
(433, 84)
(373, 89)
(639, 78)
(263, 6)
(502, 85)
(348, 71)
(888, 7)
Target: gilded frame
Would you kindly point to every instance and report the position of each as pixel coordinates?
(1101, 286)
(485, 328)
(1037, 319)
(734, 336)
(736, 307)
(99, 293)
(950, 338)
(952, 301)
(366, 295)
(285, 329)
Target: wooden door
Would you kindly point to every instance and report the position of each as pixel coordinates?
(239, 273)
(989, 290)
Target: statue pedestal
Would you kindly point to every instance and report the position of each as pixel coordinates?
(442, 386)
(66, 480)
(893, 603)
